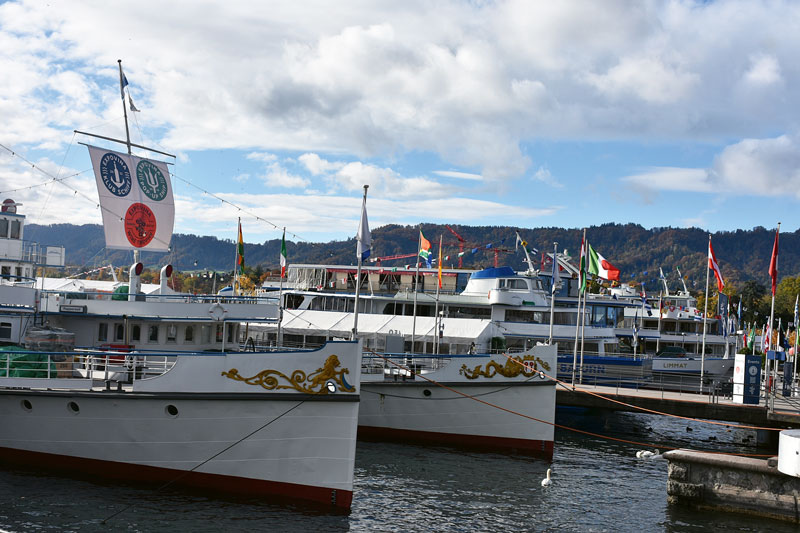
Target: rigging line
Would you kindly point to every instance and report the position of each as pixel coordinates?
(187, 472)
(62, 181)
(60, 168)
(40, 169)
(653, 411)
(560, 426)
(243, 210)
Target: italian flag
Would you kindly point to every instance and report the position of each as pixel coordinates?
(600, 267)
(283, 255)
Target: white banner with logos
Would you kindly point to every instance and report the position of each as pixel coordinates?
(135, 199)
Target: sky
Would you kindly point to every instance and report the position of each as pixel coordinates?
(531, 114)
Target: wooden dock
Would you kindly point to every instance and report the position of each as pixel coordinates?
(786, 413)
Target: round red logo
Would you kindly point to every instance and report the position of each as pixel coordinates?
(140, 225)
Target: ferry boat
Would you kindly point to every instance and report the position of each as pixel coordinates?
(421, 374)
(498, 309)
(146, 384)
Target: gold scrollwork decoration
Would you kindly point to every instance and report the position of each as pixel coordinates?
(313, 383)
(515, 366)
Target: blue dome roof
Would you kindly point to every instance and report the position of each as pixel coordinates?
(487, 273)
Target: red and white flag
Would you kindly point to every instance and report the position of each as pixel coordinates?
(713, 265)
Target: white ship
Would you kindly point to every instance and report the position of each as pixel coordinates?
(147, 384)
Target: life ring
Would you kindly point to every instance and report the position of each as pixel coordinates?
(217, 312)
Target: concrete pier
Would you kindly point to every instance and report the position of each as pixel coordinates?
(732, 484)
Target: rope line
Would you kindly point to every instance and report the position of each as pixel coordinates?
(653, 411)
(560, 426)
(187, 472)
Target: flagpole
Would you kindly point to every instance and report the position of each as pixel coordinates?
(436, 309)
(358, 271)
(705, 320)
(583, 321)
(578, 316)
(279, 338)
(772, 306)
(553, 291)
(124, 109)
(583, 311)
(794, 370)
(416, 289)
(236, 260)
(658, 339)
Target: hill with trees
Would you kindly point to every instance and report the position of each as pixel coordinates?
(639, 253)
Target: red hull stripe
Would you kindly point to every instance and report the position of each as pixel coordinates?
(541, 449)
(339, 500)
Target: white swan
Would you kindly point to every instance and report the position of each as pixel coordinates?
(647, 454)
(546, 481)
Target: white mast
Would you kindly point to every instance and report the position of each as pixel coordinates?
(554, 280)
(578, 317)
(358, 270)
(416, 289)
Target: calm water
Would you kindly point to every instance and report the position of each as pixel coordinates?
(597, 486)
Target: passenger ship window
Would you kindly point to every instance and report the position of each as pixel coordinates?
(172, 333)
(188, 334)
(136, 334)
(218, 336)
(15, 229)
(5, 330)
(3, 228)
(102, 331)
(514, 284)
(152, 333)
(119, 332)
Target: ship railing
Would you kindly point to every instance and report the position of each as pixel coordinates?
(406, 365)
(122, 366)
(181, 298)
(83, 364)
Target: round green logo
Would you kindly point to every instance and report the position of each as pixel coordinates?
(151, 180)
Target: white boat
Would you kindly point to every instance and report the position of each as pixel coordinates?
(154, 387)
(280, 425)
(436, 402)
(421, 374)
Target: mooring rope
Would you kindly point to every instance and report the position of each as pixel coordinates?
(560, 426)
(653, 411)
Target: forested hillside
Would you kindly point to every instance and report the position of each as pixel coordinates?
(636, 251)
(743, 255)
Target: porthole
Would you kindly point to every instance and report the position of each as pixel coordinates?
(73, 407)
(426, 392)
(171, 410)
(26, 405)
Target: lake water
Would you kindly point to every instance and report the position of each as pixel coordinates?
(597, 485)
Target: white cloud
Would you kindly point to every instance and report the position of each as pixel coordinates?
(261, 156)
(544, 175)
(764, 70)
(318, 166)
(458, 175)
(646, 78)
(767, 167)
(763, 167)
(672, 179)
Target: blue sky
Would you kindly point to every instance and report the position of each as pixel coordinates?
(481, 113)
